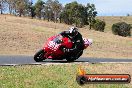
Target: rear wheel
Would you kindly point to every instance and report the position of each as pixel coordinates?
(39, 56)
(70, 59)
(79, 54)
(73, 57)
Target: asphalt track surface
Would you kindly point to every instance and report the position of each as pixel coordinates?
(25, 60)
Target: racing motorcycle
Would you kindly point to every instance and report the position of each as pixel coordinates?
(53, 49)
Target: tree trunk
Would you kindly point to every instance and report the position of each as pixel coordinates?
(1, 11)
(60, 19)
(48, 17)
(76, 24)
(9, 7)
(90, 26)
(55, 17)
(1, 7)
(20, 14)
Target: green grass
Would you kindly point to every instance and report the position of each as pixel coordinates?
(51, 76)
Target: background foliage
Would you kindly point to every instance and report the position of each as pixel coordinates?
(121, 29)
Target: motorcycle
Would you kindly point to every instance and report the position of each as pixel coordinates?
(52, 49)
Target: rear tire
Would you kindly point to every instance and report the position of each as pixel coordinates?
(79, 54)
(70, 59)
(39, 56)
(73, 58)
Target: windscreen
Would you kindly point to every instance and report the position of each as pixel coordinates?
(58, 39)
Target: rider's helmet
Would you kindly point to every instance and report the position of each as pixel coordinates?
(87, 42)
(73, 31)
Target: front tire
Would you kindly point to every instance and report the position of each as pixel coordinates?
(39, 56)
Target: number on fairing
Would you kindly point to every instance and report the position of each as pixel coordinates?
(53, 45)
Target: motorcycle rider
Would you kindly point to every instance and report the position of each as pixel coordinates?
(77, 40)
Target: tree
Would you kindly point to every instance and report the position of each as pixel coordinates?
(12, 6)
(91, 13)
(2, 6)
(80, 15)
(39, 6)
(56, 8)
(121, 29)
(48, 10)
(53, 10)
(21, 7)
(31, 9)
(128, 14)
(98, 25)
(64, 17)
(74, 13)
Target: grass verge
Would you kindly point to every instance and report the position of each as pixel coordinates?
(58, 76)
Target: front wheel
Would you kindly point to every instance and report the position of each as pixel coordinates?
(39, 56)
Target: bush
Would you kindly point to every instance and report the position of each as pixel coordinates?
(98, 25)
(121, 29)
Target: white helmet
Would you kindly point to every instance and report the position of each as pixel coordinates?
(87, 42)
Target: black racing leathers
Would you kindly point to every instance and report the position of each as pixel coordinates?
(77, 42)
